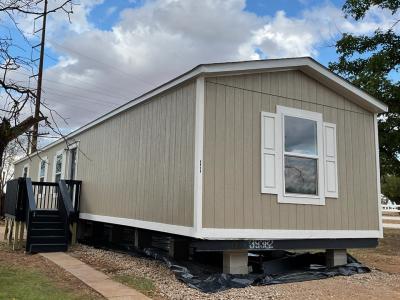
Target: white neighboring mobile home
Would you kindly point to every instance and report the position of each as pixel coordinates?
(266, 154)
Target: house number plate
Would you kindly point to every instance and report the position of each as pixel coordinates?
(261, 245)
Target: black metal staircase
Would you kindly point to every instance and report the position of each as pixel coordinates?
(47, 232)
(47, 208)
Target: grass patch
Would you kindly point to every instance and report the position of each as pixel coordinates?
(143, 285)
(18, 283)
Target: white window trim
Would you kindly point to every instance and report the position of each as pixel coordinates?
(44, 158)
(299, 198)
(61, 152)
(23, 168)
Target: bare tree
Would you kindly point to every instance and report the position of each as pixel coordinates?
(17, 97)
(7, 171)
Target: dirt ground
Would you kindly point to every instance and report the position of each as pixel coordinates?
(382, 283)
(58, 276)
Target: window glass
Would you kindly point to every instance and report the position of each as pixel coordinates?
(25, 173)
(301, 175)
(300, 136)
(58, 167)
(42, 168)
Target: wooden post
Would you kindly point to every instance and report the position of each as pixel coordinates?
(6, 230)
(10, 232)
(16, 233)
(21, 233)
(73, 230)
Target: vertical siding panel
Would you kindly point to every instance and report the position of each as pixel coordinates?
(229, 156)
(209, 155)
(167, 160)
(275, 207)
(248, 153)
(172, 162)
(256, 144)
(177, 157)
(342, 169)
(265, 106)
(185, 153)
(363, 176)
(136, 157)
(190, 161)
(373, 216)
(160, 148)
(239, 157)
(219, 205)
(349, 170)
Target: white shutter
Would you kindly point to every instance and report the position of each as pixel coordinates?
(270, 153)
(330, 161)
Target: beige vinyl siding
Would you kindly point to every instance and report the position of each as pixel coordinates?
(232, 185)
(139, 164)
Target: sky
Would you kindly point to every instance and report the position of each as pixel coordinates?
(113, 51)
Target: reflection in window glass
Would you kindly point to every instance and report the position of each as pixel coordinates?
(300, 136)
(42, 168)
(25, 172)
(301, 175)
(58, 167)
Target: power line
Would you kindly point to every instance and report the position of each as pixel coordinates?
(79, 106)
(93, 101)
(105, 92)
(100, 62)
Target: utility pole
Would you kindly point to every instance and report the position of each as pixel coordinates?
(35, 131)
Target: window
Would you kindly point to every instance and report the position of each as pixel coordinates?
(58, 166)
(25, 171)
(42, 175)
(42, 170)
(298, 156)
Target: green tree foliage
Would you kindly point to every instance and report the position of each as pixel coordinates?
(391, 187)
(369, 62)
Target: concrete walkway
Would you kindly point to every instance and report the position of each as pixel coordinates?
(98, 281)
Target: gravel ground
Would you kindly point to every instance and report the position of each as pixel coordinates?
(375, 285)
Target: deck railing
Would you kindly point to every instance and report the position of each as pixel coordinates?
(391, 208)
(46, 195)
(74, 190)
(25, 199)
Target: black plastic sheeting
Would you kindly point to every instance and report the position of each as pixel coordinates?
(282, 268)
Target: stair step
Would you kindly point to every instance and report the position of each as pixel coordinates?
(43, 247)
(47, 225)
(47, 232)
(47, 219)
(47, 212)
(48, 239)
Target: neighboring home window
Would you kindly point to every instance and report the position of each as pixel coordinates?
(58, 166)
(25, 171)
(42, 170)
(298, 156)
(43, 164)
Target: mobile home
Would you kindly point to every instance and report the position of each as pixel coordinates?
(253, 155)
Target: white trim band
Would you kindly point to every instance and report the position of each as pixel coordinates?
(235, 234)
(162, 227)
(279, 234)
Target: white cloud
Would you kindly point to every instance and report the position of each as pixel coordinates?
(99, 69)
